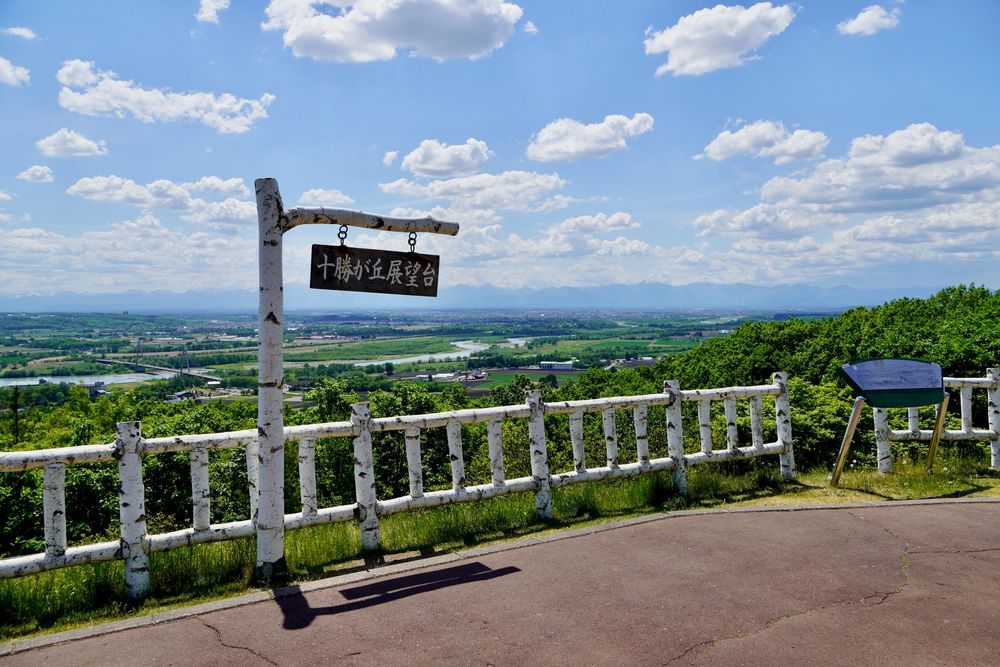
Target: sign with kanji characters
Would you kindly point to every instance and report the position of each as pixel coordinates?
(340, 267)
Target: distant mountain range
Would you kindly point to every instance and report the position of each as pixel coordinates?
(642, 296)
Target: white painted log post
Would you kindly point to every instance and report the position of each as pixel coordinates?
(414, 466)
(364, 479)
(576, 439)
(132, 510)
(539, 453)
(640, 419)
(307, 476)
(705, 425)
(270, 515)
(494, 437)
(783, 425)
(732, 430)
(610, 436)
(454, 431)
(965, 397)
(913, 420)
(883, 448)
(201, 496)
(54, 507)
(253, 476)
(675, 436)
(994, 414)
(756, 422)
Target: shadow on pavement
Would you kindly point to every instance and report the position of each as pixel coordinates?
(298, 613)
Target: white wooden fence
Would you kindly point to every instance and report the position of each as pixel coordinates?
(135, 545)
(884, 435)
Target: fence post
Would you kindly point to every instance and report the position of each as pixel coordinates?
(201, 496)
(539, 454)
(783, 425)
(675, 436)
(132, 509)
(994, 410)
(307, 476)
(54, 507)
(883, 448)
(610, 437)
(364, 479)
(640, 419)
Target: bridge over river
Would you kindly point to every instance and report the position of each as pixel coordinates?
(142, 366)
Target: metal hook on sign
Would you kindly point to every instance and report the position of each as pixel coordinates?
(413, 241)
(342, 234)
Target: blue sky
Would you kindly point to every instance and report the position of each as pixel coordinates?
(577, 143)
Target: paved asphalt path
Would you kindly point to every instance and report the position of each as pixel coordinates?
(906, 584)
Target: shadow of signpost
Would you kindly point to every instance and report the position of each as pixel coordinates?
(298, 614)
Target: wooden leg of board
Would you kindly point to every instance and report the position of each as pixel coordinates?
(845, 446)
(938, 430)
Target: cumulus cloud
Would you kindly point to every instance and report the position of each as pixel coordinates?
(208, 10)
(869, 21)
(765, 138)
(19, 31)
(389, 157)
(579, 236)
(12, 75)
(164, 194)
(320, 197)
(436, 160)
(67, 143)
(530, 28)
(4, 196)
(370, 30)
(101, 93)
(716, 38)
(38, 173)
(509, 190)
(568, 139)
(105, 260)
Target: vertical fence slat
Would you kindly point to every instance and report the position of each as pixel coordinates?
(965, 396)
(454, 429)
(307, 475)
(705, 425)
(913, 419)
(132, 510)
(994, 416)
(783, 425)
(414, 464)
(756, 422)
(883, 448)
(675, 435)
(610, 436)
(364, 479)
(253, 476)
(494, 438)
(539, 453)
(640, 418)
(201, 495)
(54, 507)
(576, 439)
(732, 432)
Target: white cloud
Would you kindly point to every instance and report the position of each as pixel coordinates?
(389, 157)
(530, 28)
(716, 38)
(568, 139)
(5, 217)
(4, 196)
(510, 190)
(370, 30)
(38, 173)
(765, 138)
(234, 187)
(320, 197)
(436, 160)
(208, 10)
(12, 75)
(464, 217)
(140, 253)
(230, 211)
(67, 143)
(19, 31)
(869, 21)
(102, 93)
(599, 223)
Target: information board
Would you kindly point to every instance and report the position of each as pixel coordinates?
(896, 383)
(340, 267)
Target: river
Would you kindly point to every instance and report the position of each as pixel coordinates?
(86, 379)
(466, 348)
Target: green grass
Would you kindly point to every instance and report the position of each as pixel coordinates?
(65, 598)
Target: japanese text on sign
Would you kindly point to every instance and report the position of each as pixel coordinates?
(366, 270)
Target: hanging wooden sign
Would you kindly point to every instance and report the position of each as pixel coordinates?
(339, 267)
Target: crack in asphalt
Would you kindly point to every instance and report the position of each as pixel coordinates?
(218, 635)
(880, 596)
(956, 551)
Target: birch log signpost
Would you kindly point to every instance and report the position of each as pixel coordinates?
(375, 271)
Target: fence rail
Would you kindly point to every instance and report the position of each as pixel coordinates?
(885, 436)
(135, 545)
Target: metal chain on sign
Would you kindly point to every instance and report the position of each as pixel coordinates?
(342, 234)
(413, 241)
